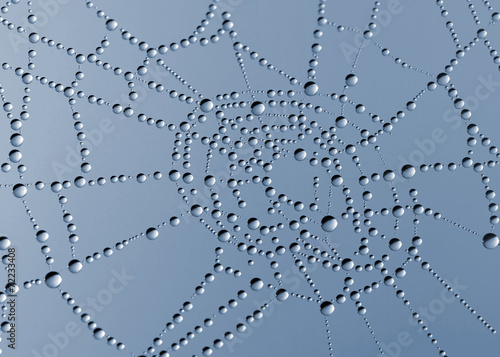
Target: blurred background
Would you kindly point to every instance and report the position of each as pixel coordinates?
(177, 228)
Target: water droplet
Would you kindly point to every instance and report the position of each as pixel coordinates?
(311, 88)
(19, 190)
(196, 210)
(75, 266)
(395, 244)
(337, 180)
(398, 211)
(389, 175)
(490, 240)
(53, 279)
(42, 236)
(27, 78)
(443, 79)
(327, 308)
(328, 223)
(341, 122)
(152, 233)
(347, 264)
(300, 154)
(99, 334)
(111, 25)
(351, 80)
(206, 105)
(408, 171)
(256, 284)
(258, 108)
(224, 236)
(282, 295)
(253, 223)
(4, 243)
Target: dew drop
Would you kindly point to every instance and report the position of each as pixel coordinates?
(490, 240)
(311, 88)
(328, 223)
(20, 190)
(327, 308)
(53, 279)
(152, 233)
(258, 108)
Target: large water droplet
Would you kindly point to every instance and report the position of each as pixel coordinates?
(258, 108)
(4, 243)
(152, 233)
(256, 284)
(490, 240)
(300, 154)
(328, 223)
(75, 266)
(327, 308)
(53, 279)
(443, 79)
(395, 244)
(19, 190)
(351, 80)
(111, 25)
(206, 105)
(282, 295)
(311, 88)
(408, 171)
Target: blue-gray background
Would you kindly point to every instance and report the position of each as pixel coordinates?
(163, 273)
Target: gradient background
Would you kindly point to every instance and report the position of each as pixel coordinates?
(166, 271)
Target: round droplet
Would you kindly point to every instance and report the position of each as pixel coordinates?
(206, 105)
(481, 33)
(443, 79)
(256, 284)
(75, 266)
(258, 108)
(196, 210)
(152, 233)
(224, 236)
(27, 78)
(4, 243)
(311, 88)
(400, 273)
(15, 156)
(19, 190)
(341, 122)
(395, 244)
(337, 180)
(408, 171)
(12, 288)
(389, 175)
(210, 181)
(53, 279)
(327, 308)
(398, 211)
(328, 223)
(282, 295)
(253, 223)
(111, 25)
(347, 264)
(300, 154)
(99, 334)
(42, 236)
(174, 175)
(351, 80)
(490, 240)
(34, 37)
